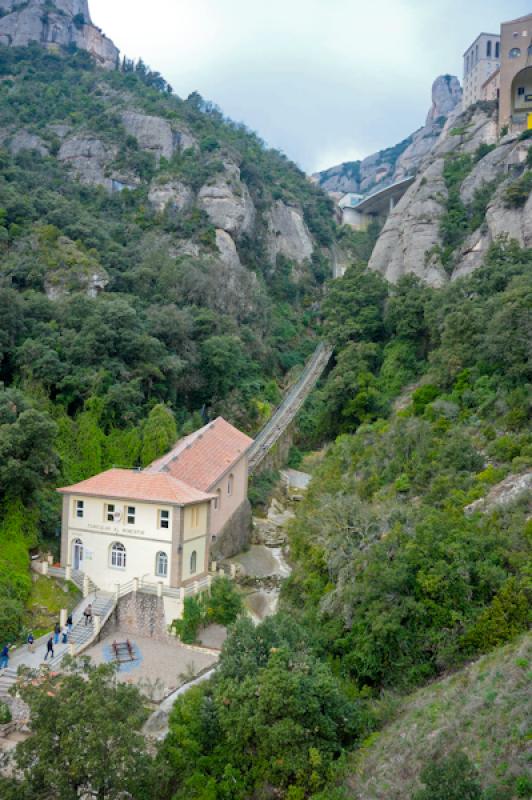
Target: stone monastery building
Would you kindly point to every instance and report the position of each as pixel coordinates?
(163, 523)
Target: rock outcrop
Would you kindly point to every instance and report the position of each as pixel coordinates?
(507, 491)
(61, 23)
(88, 158)
(411, 242)
(288, 234)
(154, 134)
(173, 194)
(227, 202)
(393, 164)
(227, 249)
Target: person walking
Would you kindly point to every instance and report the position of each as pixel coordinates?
(69, 623)
(4, 657)
(49, 648)
(57, 631)
(64, 635)
(31, 642)
(88, 614)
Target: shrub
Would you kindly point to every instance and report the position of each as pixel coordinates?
(422, 397)
(187, 628)
(518, 192)
(451, 778)
(225, 603)
(5, 714)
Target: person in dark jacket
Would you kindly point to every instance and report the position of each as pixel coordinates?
(4, 657)
(70, 623)
(49, 648)
(57, 631)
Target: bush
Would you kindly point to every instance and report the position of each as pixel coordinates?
(518, 192)
(224, 604)
(187, 628)
(451, 778)
(5, 714)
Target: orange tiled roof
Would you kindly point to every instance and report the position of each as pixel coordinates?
(131, 484)
(202, 458)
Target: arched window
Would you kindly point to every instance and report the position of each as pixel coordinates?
(497, 49)
(161, 565)
(515, 52)
(488, 49)
(193, 562)
(467, 65)
(118, 555)
(218, 499)
(230, 483)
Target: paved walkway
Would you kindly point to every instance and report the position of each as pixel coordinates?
(163, 662)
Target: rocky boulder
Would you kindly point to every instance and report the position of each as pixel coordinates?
(61, 24)
(173, 194)
(507, 491)
(288, 234)
(227, 202)
(227, 249)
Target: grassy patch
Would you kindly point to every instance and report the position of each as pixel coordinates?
(48, 596)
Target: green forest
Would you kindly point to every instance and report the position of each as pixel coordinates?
(401, 573)
(88, 382)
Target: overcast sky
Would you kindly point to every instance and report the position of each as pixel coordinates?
(323, 80)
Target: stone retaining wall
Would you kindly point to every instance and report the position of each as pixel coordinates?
(139, 614)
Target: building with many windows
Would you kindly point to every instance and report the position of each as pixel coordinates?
(481, 60)
(515, 109)
(159, 524)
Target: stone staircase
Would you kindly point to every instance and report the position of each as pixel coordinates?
(7, 679)
(83, 635)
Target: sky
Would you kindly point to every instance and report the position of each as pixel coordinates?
(324, 81)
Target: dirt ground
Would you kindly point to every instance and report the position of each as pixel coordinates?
(158, 668)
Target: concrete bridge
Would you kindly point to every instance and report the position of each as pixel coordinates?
(358, 211)
(278, 426)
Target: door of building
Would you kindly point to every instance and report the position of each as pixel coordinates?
(77, 553)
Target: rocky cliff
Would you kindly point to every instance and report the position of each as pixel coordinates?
(470, 190)
(393, 164)
(61, 23)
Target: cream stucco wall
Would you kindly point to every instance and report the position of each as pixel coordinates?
(228, 503)
(142, 540)
(515, 35)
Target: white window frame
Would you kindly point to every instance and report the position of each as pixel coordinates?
(131, 514)
(160, 559)
(110, 515)
(80, 509)
(118, 556)
(230, 484)
(164, 517)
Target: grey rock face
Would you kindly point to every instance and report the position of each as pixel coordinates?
(288, 234)
(88, 157)
(412, 231)
(227, 249)
(505, 492)
(227, 202)
(36, 22)
(152, 133)
(446, 96)
(22, 140)
(174, 194)
(411, 235)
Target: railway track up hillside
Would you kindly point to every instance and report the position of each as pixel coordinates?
(291, 404)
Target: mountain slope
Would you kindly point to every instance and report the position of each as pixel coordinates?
(483, 710)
